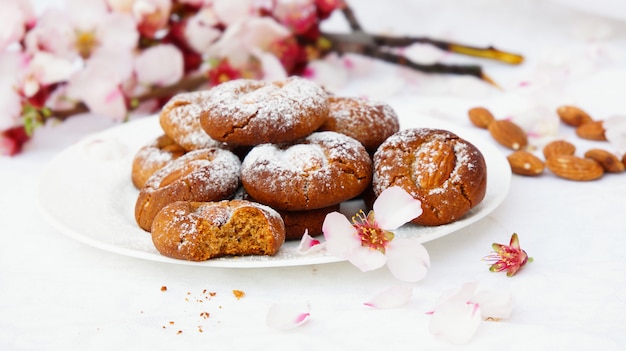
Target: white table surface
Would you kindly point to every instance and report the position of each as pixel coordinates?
(60, 294)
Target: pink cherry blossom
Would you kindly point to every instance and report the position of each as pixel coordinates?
(297, 15)
(249, 40)
(15, 17)
(159, 65)
(10, 104)
(99, 87)
(200, 30)
(151, 15)
(459, 312)
(368, 242)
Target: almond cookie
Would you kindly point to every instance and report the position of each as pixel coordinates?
(252, 112)
(445, 172)
(201, 175)
(198, 231)
(318, 171)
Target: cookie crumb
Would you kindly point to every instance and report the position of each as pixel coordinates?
(239, 294)
(163, 288)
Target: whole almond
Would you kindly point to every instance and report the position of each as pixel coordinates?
(508, 134)
(524, 163)
(591, 131)
(435, 165)
(573, 116)
(574, 168)
(607, 160)
(558, 147)
(480, 117)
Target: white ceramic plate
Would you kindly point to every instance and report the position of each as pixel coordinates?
(87, 194)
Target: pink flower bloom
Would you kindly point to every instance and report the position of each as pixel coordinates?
(288, 315)
(151, 15)
(510, 258)
(16, 16)
(368, 242)
(459, 312)
(159, 65)
(99, 86)
(85, 28)
(200, 30)
(297, 15)
(10, 102)
(245, 42)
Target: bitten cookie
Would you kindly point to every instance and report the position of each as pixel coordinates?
(180, 120)
(445, 172)
(370, 122)
(201, 175)
(198, 231)
(252, 112)
(152, 157)
(318, 171)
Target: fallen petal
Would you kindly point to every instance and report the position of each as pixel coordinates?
(395, 207)
(455, 321)
(407, 259)
(494, 304)
(392, 297)
(309, 245)
(286, 316)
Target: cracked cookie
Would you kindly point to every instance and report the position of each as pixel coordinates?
(201, 175)
(152, 157)
(370, 122)
(252, 112)
(445, 172)
(321, 170)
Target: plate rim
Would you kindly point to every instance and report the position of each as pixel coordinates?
(495, 157)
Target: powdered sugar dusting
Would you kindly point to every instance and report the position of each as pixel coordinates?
(269, 106)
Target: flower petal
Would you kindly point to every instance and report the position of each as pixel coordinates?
(395, 207)
(455, 321)
(286, 316)
(407, 259)
(366, 259)
(309, 245)
(340, 235)
(159, 65)
(392, 297)
(494, 304)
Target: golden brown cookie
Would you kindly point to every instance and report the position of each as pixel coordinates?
(445, 172)
(201, 175)
(152, 157)
(198, 231)
(252, 112)
(318, 171)
(180, 120)
(370, 122)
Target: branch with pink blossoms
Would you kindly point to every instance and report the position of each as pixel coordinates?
(114, 57)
